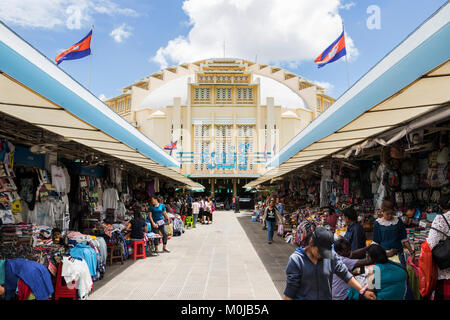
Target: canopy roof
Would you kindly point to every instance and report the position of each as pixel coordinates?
(34, 89)
(409, 82)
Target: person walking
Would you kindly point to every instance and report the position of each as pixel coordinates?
(195, 211)
(270, 219)
(158, 213)
(390, 232)
(310, 270)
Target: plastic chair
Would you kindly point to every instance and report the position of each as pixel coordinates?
(138, 245)
(62, 290)
(189, 222)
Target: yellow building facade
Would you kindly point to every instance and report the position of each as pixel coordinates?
(228, 117)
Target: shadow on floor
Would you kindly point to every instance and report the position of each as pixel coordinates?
(274, 256)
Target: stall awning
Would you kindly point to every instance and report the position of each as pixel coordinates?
(34, 89)
(409, 82)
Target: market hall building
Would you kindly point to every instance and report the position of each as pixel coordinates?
(227, 116)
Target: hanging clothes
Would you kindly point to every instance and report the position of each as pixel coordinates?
(58, 179)
(156, 182)
(110, 199)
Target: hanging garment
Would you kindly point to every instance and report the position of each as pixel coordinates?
(86, 253)
(66, 179)
(34, 274)
(156, 184)
(110, 199)
(58, 179)
(78, 271)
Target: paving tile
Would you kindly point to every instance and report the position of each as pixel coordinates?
(215, 261)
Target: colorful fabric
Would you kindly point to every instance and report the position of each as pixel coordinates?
(443, 290)
(24, 290)
(84, 252)
(34, 274)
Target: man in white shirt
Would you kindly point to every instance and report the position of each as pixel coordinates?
(195, 211)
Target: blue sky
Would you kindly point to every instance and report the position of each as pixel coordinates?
(285, 33)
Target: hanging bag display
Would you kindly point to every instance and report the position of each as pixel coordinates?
(441, 252)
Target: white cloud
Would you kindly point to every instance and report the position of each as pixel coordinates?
(278, 31)
(121, 32)
(347, 6)
(48, 14)
(326, 85)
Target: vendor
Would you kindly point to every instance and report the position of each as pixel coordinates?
(355, 233)
(390, 232)
(56, 236)
(137, 226)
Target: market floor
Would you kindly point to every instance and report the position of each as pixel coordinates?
(274, 256)
(214, 262)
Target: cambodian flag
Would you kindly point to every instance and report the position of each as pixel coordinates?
(335, 51)
(79, 50)
(171, 146)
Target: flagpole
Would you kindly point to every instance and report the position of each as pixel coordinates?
(90, 64)
(346, 60)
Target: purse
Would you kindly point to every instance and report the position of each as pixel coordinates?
(441, 252)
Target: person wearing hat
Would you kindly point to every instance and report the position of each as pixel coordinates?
(310, 270)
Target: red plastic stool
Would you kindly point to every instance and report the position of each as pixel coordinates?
(63, 291)
(136, 245)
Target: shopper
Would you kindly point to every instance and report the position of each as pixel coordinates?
(332, 219)
(201, 215)
(310, 270)
(212, 208)
(352, 260)
(386, 278)
(390, 233)
(270, 219)
(195, 211)
(208, 210)
(355, 233)
(440, 230)
(158, 213)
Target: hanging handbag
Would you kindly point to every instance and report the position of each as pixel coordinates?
(441, 252)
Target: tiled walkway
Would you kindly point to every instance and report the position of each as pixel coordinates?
(274, 256)
(215, 261)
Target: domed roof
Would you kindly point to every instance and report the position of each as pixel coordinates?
(282, 94)
(178, 87)
(163, 96)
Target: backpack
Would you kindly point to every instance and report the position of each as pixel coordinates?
(393, 178)
(427, 271)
